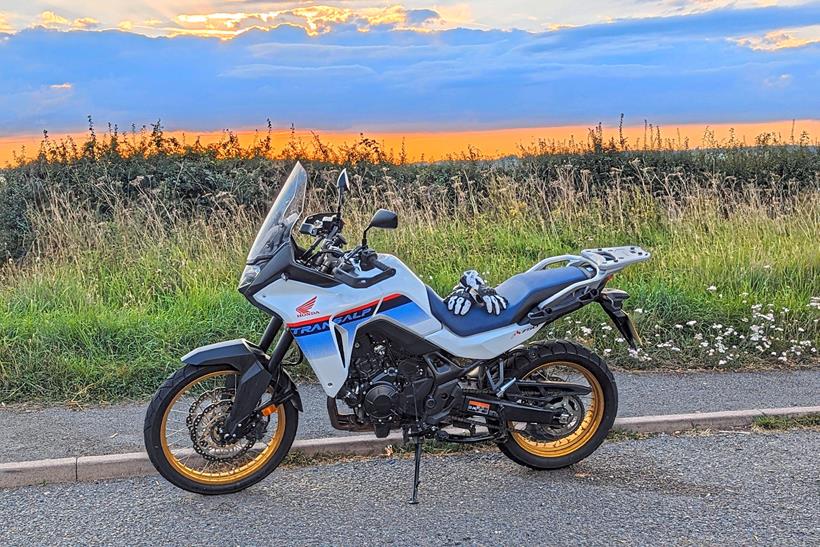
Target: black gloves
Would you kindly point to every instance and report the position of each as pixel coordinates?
(459, 301)
(472, 288)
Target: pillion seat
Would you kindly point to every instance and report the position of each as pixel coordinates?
(523, 292)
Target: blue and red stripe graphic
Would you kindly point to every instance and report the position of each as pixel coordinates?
(396, 306)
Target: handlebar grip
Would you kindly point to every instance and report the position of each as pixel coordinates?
(382, 266)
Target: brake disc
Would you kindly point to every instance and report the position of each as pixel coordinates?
(215, 395)
(207, 437)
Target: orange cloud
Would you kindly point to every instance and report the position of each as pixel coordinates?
(394, 15)
(782, 39)
(4, 24)
(553, 27)
(51, 20)
(457, 14)
(85, 23)
(315, 20)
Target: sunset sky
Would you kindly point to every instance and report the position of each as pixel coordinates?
(415, 66)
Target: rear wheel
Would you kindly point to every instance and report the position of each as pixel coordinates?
(590, 417)
(182, 433)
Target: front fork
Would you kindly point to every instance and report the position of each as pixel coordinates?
(255, 379)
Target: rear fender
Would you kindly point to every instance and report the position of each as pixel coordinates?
(254, 376)
(612, 300)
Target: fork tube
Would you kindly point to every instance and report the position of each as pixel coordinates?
(270, 333)
(280, 350)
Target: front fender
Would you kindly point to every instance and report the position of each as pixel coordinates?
(239, 353)
(254, 376)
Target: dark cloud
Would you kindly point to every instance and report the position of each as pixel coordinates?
(418, 17)
(671, 70)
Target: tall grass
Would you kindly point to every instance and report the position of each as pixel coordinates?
(115, 286)
(192, 179)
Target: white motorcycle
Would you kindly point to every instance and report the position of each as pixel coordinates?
(389, 355)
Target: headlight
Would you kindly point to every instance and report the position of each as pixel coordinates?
(248, 275)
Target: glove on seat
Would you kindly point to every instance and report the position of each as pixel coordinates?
(473, 289)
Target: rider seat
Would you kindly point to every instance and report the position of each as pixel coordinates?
(523, 292)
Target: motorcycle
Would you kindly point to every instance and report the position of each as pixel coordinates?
(386, 349)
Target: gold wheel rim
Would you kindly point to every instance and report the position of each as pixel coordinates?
(593, 417)
(219, 477)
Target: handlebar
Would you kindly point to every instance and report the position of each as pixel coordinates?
(364, 282)
(330, 258)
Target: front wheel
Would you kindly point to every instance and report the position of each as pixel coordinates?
(182, 433)
(541, 446)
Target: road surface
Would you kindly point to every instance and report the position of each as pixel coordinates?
(735, 488)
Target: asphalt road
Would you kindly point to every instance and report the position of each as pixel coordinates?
(57, 432)
(730, 489)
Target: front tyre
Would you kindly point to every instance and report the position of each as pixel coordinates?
(540, 446)
(181, 433)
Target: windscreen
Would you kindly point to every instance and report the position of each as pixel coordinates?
(283, 214)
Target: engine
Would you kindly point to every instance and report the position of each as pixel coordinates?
(381, 401)
(385, 391)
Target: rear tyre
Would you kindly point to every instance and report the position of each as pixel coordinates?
(180, 439)
(542, 447)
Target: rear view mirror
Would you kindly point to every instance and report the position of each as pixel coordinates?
(382, 219)
(341, 184)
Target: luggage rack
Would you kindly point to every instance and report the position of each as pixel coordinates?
(598, 263)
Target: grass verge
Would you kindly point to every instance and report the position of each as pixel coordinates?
(775, 423)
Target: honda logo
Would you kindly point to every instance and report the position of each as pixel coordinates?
(306, 308)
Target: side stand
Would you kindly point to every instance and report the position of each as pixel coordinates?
(414, 500)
